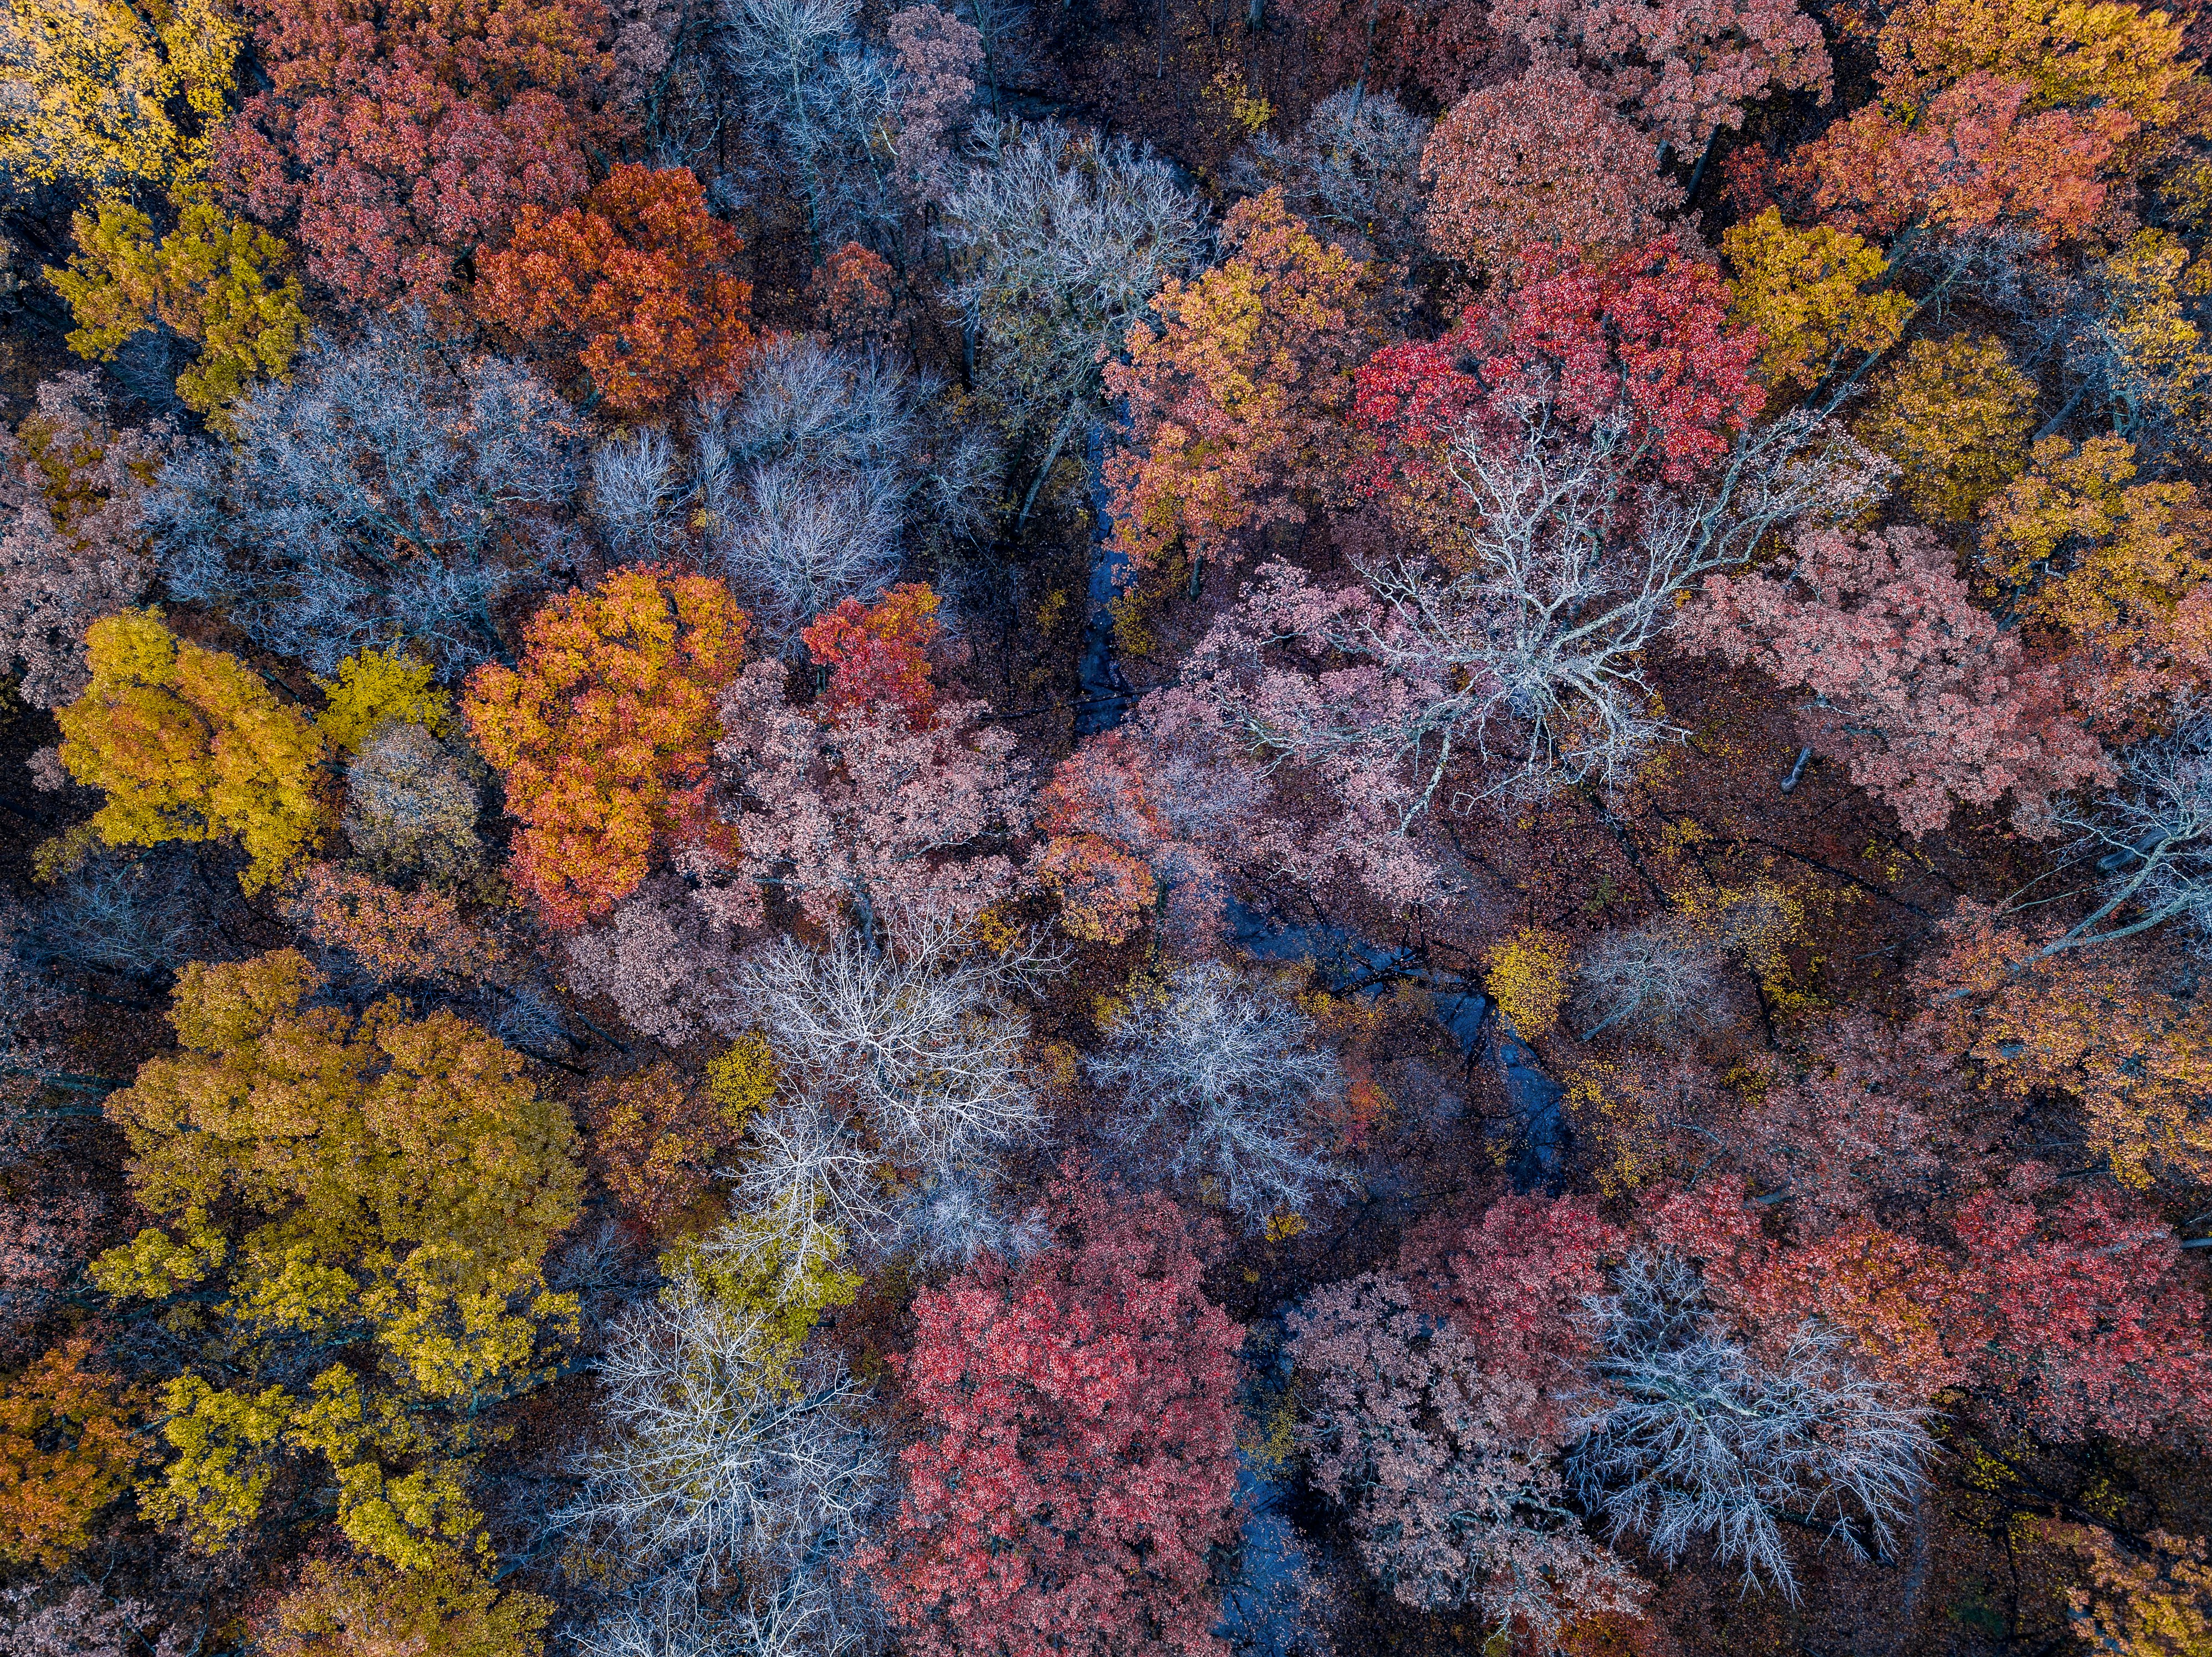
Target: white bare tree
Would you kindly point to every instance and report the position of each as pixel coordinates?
(809, 1187)
(1529, 651)
(2150, 841)
(1220, 1077)
(1704, 1439)
(1353, 171)
(637, 492)
(1662, 974)
(714, 1456)
(1063, 238)
(802, 540)
(919, 1040)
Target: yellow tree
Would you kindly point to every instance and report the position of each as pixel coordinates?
(386, 1186)
(1813, 298)
(190, 744)
(110, 99)
(221, 282)
(356, 1610)
(1954, 414)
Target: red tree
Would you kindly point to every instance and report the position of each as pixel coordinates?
(1079, 1455)
(396, 139)
(878, 656)
(1643, 344)
(638, 284)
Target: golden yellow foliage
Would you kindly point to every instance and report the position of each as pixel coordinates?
(189, 744)
(2158, 368)
(2075, 55)
(2151, 1597)
(373, 686)
(2082, 547)
(759, 1263)
(388, 1183)
(1527, 977)
(99, 87)
(219, 281)
(1955, 416)
(1813, 297)
(744, 1079)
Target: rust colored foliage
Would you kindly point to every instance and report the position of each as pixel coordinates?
(395, 139)
(1079, 1458)
(1977, 156)
(850, 297)
(1643, 345)
(66, 1451)
(1681, 68)
(637, 284)
(1919, 693)
(1236, 402)
(878, 655)
(603, 734)
(1540, 172)
(657, 1139)
(393, 936)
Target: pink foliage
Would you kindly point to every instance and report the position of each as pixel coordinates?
(1079, 1459)
(1170, 790)
(862, 812)
(938, 55)
(1917, 690)
(1970, 161)
(1539, 172)
(1679, 68)
(1514, 1283)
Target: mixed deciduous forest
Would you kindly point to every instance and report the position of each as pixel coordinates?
(1218, 828)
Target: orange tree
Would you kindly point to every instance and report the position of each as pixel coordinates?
(604, 732)
(637, 284)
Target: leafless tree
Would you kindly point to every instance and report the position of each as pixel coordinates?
(801, 541)
(411, 804)
(1063, 238)
(2150, 841)
(1660, 973)
(394, 489)
(920, 1039)
(808, 1191)
(713, 1457)
(1704, 1439)
(948, 1220)
(1353, 171)
(1221, 1078)
(637, 493)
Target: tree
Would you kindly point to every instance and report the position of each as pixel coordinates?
(189, 744)
(114, 100)
(920, 1038)
(1919, 692)
(352, 1608)
(217, 280)
(603, 734)
(390, 936)
(1223, 1081)
(1815, 298)
(1393, 43)
(2083, 550)
(388, 1186)
(73, 489)
(663, 959)
(1080, 1457)
(66, 1451)
(394, 490)
(1683, 69)
(878, 657)
(1155, 814)
(1063, 240)
(636, 282)
(659, 1139)
(411, 806)
(2146, 1598)
(1973, 157)
(1538, 173)
(859, 814)
(1453, 1496)
(718, 1463)
(1236, 402)
(394, 141)
(1954, 416)
(1706, 1439)
(1526, 975)
(1352, 173)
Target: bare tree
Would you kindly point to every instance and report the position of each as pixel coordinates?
(637, 492)
(1528, 652)
(392, 489)
(1705, 1439)
(808, 1189)
(919, 1040)
(2150, 842)
(1063, 239)
(1353, 171)
(714, 1457)
(801, 541)
(1221, 1078)
(1662, 973)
